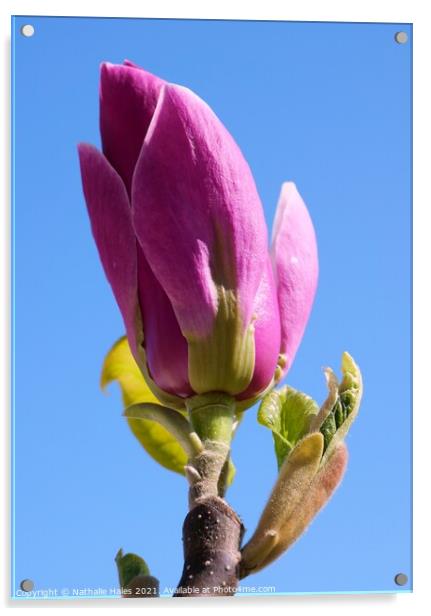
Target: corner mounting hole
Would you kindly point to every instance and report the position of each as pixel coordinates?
(27, 30)
(401, 37)
(27, 585)
(401, 579)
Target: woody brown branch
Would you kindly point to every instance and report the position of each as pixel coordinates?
(212, 534)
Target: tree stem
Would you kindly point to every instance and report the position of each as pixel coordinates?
(212, 417)
(212, 534)
(212, 531)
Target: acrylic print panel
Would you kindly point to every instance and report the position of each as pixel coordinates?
(326, 106)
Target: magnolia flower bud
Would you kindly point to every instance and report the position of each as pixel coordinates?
(181, 234)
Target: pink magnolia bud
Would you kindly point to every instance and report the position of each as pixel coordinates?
(181, 234)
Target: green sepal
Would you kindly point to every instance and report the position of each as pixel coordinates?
(129, 566)
(288, 414)
(224, 359)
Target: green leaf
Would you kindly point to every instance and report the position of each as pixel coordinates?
(288, 414)
(120, 366)
(129, 566)
(174, 422)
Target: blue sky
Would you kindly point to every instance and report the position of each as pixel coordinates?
(325, 105)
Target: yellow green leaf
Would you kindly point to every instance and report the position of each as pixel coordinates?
(120, 366)
(288, 414)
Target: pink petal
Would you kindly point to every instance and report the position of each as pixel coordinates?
(266, 334)
(124, 265)
(294, 254)
(165, 346)
(109, 211)
(196, 211)
(128, 98)
(132, 64)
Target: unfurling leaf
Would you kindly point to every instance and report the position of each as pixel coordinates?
(341, 407)
(129, 566)
(288, 414)
(120, 366)
(305, 483)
